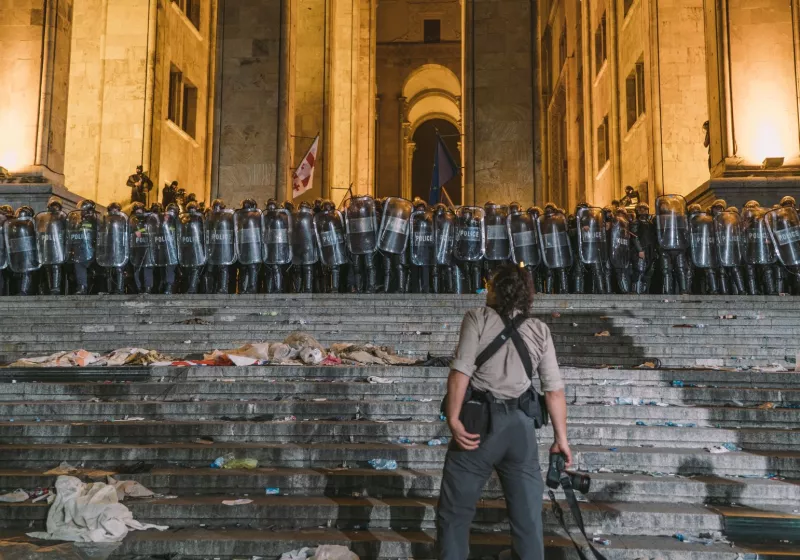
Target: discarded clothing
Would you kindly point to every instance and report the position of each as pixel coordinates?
(88, 513)
(129, 489)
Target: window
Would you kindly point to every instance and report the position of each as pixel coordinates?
(182, 109)
(626, 6)
(432, 31)
(189, 116)
(192, 10)
(600, 45)
(602, 143)
(175, 85)
(562, 47)
(634, 94)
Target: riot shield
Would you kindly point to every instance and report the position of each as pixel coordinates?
(703, 246)
(51, 234)
(756, 242)
(276, 228)
(113, 241)
(3, 249)
(220, 238)
(20, 236)
(671, 222)
(524, 239)
(423, 238)
(498, 246)
(192, 250)
(81, 237)
(360, 219)
(304, 242)
(444, 229)
(784, 229)
(619, 237)
(470, 243)
(329, 229)
(555, 245)
(248, 235)
(728, 235)
(592, 235)
(142, 243)
(393, 235)
(163, 229)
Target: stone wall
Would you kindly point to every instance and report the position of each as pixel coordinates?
(248, 104)
(107, 97)
(34, 67)
(499, 82)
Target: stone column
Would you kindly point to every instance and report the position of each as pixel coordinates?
(499, 100)
(34, 70)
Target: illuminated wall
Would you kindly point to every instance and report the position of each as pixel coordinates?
(763, 86)
(34, 69)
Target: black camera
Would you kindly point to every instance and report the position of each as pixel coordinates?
(558, 472)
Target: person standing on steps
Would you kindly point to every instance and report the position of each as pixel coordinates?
(493, 412)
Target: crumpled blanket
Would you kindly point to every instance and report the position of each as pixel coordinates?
(88, 513)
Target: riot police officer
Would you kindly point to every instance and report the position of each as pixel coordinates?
(51, 231)
(498, 247)
(142, 246)
(540, 273)
(759, 253)
(192, 252)
(444, 238)
(220, 246)
(556, 249)
(248, 244)
(360, 218)
(393, 242)
(592, 251)
(276, 227)
(23, 257)
(727, 236)
(422, 243)
(644, 243)
(619, 250)
(330, 234)
(703, 249)
(82, 243)
(524, 241)
(305, 252)
(113, 247)
(469, 249)
(672, 230)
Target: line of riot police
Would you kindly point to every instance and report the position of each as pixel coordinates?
(394, 245)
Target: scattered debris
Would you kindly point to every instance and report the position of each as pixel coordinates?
(603, 333)
(61, 469)
(246, 463)
(88, 513)
(129, 489)
(383, 464)
(438, 441)
(194, 321)
(382, 380)
(239, 502)
(724, 448)
(272, 491)
(16, 496)
(601, 540)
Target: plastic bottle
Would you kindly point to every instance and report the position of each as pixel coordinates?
(220, 461)
(383, 464)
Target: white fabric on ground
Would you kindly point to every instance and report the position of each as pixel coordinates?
(88, 513)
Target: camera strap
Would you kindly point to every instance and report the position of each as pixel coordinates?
(566, 485)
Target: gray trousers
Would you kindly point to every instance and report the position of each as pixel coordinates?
(511, 450)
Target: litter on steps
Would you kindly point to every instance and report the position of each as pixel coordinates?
(88, 513)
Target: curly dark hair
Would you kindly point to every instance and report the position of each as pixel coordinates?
(513, 290)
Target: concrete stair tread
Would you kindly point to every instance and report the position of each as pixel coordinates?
(380, 544)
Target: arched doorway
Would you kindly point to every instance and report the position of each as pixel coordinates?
(424, 140)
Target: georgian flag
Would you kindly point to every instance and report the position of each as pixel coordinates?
(303, 176)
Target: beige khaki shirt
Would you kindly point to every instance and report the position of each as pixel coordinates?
(503, 374)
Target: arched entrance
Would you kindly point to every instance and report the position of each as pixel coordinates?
(431, 93)
(424, 140)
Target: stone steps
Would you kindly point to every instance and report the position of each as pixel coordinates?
(290, 512)
(656, 479)
(378, 544)
(337, 390)
(370, 432)
(376, 410)
(605, 487)
(669, 460)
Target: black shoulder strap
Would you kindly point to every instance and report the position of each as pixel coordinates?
(510, 331)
